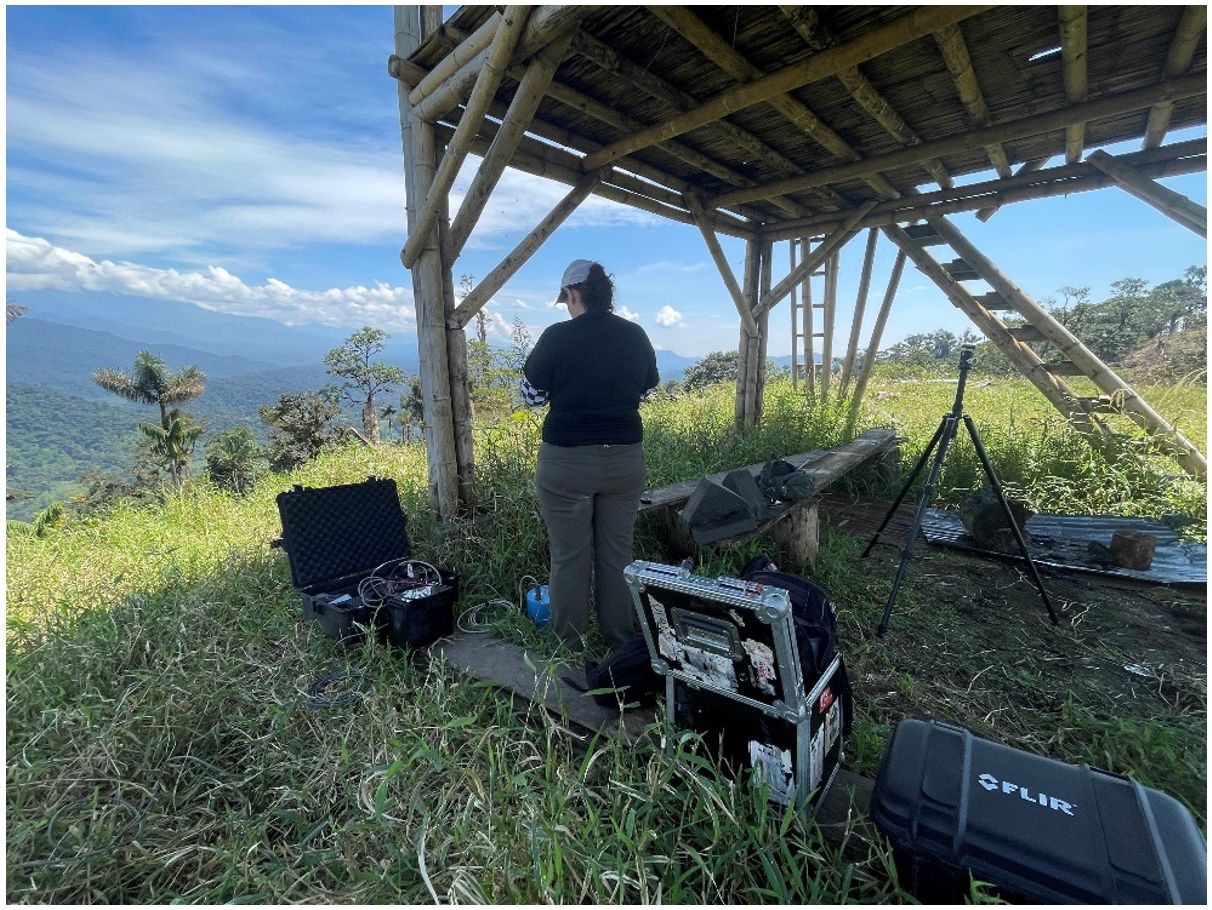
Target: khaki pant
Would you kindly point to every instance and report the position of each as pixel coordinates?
(588, 496)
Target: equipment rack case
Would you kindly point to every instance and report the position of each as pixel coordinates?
(726, 648)
(1038, 830)
(336, 536)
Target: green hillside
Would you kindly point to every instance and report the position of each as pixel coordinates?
(162, 747)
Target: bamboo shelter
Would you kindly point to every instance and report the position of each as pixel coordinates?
(804, 125)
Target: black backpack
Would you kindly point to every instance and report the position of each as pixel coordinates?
(815, 617)
(628, 670)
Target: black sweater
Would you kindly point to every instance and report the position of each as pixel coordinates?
(594, 368)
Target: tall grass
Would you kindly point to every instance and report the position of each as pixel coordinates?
(162, 745)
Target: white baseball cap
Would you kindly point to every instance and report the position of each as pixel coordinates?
(577, 272)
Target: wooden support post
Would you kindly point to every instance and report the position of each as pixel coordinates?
(1177, 89)
(1027, 167)
(1108, 382)
(461, 408)
(739, 298)
(1191, 28)
(901, 31)
(954, 49)
(520, 255)
(525, 102)
(795, 331)
(748, 344)
(1187, 212)
(829, 313)
(836, 241)
(504, 39)
(763, 326)
(860, 304)
(1073, 67)
(798, 533)
(873, 347)
(427, 287)
(809, 324)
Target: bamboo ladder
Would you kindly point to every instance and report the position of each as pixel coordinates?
(803, 312)
(1116, 397)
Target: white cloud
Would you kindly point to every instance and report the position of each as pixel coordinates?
(667, 317)
(521, 304)
(628, 314)
(33, 263)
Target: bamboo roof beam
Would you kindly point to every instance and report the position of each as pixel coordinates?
(860, 304)
(520, 254)
(610, 60)
(812, 261)
(1065, 187)
(1191, 27)
(721, 263)
(1176, 89)
(521, 109)
(1176, 206)
(462, 53)
(504, 39)
(1073, 32)
(807, 21)
(683, 21)
(1027, 167)
(951, 45)
(903, 30)
(545, 25)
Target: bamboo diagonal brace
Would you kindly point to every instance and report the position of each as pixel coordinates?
(721, 262)
(504, 40)
(1187, 212)
(860, 305)
(464, 52)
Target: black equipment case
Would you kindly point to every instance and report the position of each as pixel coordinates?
(727, 650)
(1038, 830)
(334, 537)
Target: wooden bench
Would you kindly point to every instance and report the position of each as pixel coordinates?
(794, 525)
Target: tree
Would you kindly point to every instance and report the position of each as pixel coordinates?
(300, 427)
(235, 460)
(412, 409)
(718, 366)
(152, 382)
(353, 362)
(174, 445)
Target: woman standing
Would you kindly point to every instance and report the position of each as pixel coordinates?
(592, 369)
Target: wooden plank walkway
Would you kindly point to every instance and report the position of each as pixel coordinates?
(522, 675)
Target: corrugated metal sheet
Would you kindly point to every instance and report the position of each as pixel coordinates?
(1063, 541)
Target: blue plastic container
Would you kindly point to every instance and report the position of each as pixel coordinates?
(538, 605)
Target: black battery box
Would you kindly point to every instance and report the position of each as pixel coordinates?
(955, 805)
(334, 537)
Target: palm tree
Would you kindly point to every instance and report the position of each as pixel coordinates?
(175, 444)
(152, 382)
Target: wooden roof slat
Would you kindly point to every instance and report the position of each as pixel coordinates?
(694, 30)
(1110, 106)
(954, 49)
(1073, 64)
(807, 21)
(1191, 27)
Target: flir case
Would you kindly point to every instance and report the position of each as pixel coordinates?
(726, 648)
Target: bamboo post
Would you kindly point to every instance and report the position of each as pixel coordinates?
(739, 299)
(1108, 382)
(1187, 212)
(901, 31)
(462, 410)
(809, 323)
(504, 39)
(747, 343)
(1073, 68)
(546, 23)
(873, 347)
(520, 255)
(795, 331)
(860, 304)
(428, 295)
(1176, 89)
(828, 313)
(481, 38)
(525, 102)
(763, 325)
(1191, 28)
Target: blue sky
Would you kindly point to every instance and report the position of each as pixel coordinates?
(248, 159)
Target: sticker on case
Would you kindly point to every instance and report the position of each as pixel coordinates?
(761, 660)
(774, 766)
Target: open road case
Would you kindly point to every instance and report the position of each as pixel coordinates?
(727, 649)
(335, 537)
(1039, 830)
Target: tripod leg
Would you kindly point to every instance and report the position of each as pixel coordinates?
(947, 433)
(1001, 497)
(917, 469)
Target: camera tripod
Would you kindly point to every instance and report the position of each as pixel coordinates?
(942, 439)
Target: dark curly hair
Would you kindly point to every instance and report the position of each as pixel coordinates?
(597, 291)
